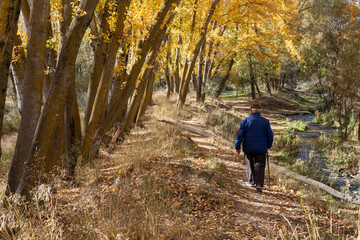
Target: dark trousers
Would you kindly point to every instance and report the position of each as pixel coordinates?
(255, 168)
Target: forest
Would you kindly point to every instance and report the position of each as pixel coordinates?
(118, 117)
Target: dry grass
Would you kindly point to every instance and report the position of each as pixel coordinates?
(157, 184)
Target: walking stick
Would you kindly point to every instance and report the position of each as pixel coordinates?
(268, 164)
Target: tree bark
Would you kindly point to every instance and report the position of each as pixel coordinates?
(18, 71)
(183, 75)
(167, 68)
(223, 81)
(252, 78)
(72, 127)
(194, 81)
(148, 94)
(25, 12)
(54, 105)
(32, 89)
(268, 87)
(185, 89)
(101, 48)
(56, 156)
(257, 88)
(102, 92)
(51, 57)
(177, 67)
(9, 15)
(119, 81)
(200, 75)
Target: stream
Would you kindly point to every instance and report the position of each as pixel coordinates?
(312, 158)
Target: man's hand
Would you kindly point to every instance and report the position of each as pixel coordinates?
(238, 151)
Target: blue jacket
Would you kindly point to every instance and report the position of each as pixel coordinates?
(255, 134)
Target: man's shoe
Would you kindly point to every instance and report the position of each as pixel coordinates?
(250, 185)
(259, 189)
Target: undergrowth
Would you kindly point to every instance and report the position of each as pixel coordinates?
(300, 126)
(224, 124)
(286, 145)
(338, 154)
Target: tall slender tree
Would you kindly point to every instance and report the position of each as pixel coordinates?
(32, 88)
(9, 15)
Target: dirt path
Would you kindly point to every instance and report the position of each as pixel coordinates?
(264, 215)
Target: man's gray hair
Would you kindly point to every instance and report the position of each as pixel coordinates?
(256, 110)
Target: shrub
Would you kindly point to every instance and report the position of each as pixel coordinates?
(297, 125)
(329, 118)
(286, 141)
(224, 124)
(344, 157)
(318, 120)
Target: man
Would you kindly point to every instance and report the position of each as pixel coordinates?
(256, 137)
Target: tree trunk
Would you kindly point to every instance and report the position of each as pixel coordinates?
(257, 88)
(283, 80)
(72, 128)
(138, 65)
(252, 78)
(253, 93)
(194, 81)
(183, 75)
(177, 67)
(51, 58)
(268, 87)
(211, 67)
(9, 15)
(119, 80)
(32, 89)
(185, 89)
(18, 71)
(148, 94)
(200, 75)
(101, 48)
(54, 105)
(25, 12)
(224, 79)
(103, 89)
(54, 158)
(167, 68)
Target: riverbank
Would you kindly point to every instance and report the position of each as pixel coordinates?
(312, 153)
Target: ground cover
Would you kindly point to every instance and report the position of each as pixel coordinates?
(164, 183)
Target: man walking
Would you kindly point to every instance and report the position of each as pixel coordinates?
(256, 137)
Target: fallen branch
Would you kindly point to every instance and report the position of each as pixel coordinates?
(279, 169)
